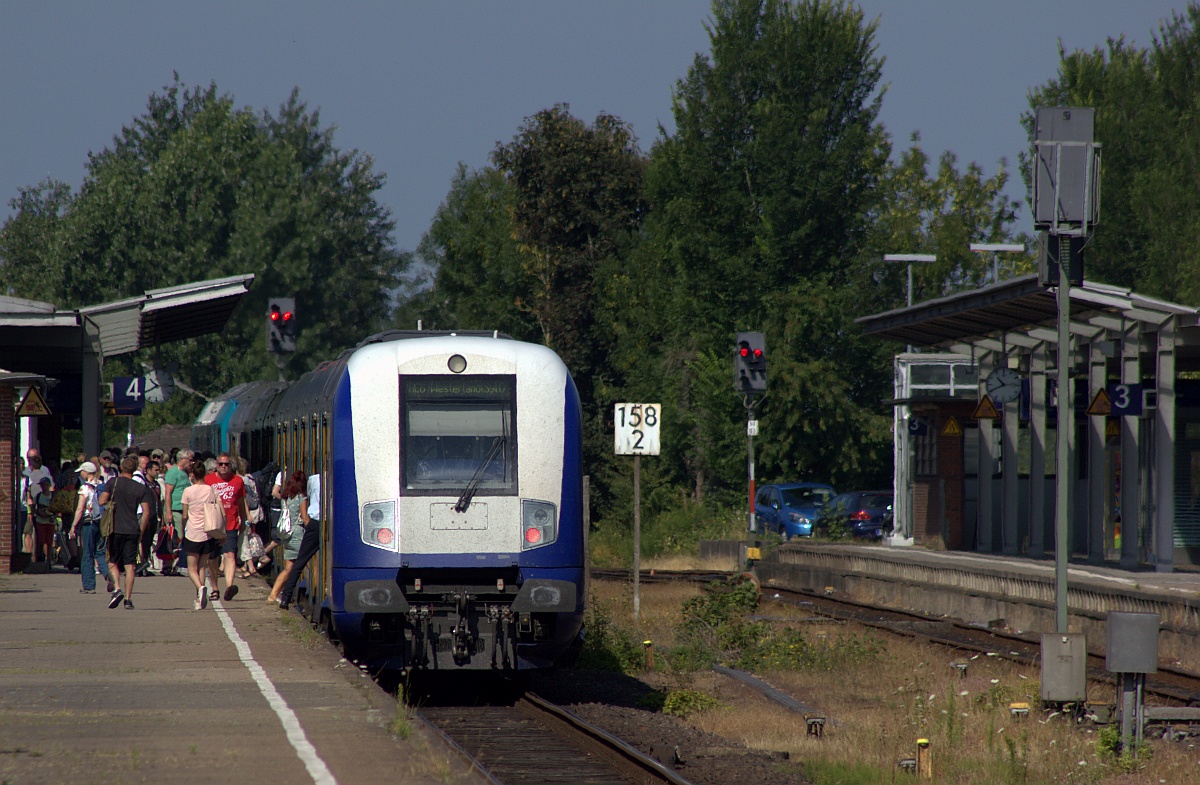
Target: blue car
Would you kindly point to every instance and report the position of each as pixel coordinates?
(790, 508)
(864, 515)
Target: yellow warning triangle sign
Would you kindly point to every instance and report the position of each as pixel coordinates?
(986, 410)
(952, 428)
(1101, 405)
(33, 405)
(1111, 429)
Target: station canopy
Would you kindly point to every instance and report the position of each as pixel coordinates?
(37, 337)
(1022, 312)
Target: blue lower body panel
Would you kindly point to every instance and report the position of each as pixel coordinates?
(502, 618)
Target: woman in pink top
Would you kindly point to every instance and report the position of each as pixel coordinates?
(200, 549)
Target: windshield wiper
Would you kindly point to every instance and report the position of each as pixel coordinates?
(464, 501)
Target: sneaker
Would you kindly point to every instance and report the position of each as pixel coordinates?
(87, 591)
(196, 605)
(117, 596)
(231, 592)
(283, 606)
(128, 605)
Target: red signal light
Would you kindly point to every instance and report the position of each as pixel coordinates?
(744, 351)
(274, 316)
(758, 354)
(287, 316)
(533, 535)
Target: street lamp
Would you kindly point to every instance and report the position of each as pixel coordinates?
(910, 258)
(995, 248)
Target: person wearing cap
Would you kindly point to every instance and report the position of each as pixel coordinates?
(107, 470)
(86, 526)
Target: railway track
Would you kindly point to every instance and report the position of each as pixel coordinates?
(534, 742)
(1171, 686)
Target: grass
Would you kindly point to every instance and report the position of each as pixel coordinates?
(881, 695)
(300, 629)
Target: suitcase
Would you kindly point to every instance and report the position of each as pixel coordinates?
(66, 551)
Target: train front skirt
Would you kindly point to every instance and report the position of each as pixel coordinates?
(449, 620)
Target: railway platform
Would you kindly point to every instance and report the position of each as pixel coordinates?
(1017, 594)
(239, 692)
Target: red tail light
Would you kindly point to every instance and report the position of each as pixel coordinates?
(861, 515)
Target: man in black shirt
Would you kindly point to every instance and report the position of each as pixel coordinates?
(131, 516)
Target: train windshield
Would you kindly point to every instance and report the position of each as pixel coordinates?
(459, 432)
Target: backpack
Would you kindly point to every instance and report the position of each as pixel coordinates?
(264, 480)
(252, 497)
(64, 501)
(94, 509)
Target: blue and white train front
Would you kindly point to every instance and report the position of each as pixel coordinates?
(458, 538)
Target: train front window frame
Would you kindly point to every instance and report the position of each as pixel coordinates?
(458, 431)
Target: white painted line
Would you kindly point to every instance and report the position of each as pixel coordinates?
(291, 723)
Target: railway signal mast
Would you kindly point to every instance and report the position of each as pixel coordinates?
(1066, 206)
(281, 330)
(750, 380)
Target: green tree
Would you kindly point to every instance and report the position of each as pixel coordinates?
(1147, 102)
(938, 213)
(196, 188)
(759, 205)
(577, 199)
(479, 281)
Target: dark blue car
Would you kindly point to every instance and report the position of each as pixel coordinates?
(863, 515)
(790, 508)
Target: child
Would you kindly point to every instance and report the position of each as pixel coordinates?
(44, 521)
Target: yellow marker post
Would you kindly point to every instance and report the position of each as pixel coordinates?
(924, 760)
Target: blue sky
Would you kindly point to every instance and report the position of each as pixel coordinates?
(422, 86)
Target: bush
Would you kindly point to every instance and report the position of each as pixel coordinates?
(684, 703)
(678, 529)
(606, 646)
(716, 629)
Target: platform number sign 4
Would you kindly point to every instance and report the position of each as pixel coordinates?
(636, 427)
(129, 394)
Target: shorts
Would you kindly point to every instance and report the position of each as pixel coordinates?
(230, 543)
(45, 532)
(202, 548)
(123, 549)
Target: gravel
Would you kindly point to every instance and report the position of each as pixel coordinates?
(615, 703)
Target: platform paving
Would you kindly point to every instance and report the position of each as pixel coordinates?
(239, 692)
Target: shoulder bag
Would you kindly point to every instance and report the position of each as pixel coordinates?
(214, 518)
(110, 511)
(285, 523)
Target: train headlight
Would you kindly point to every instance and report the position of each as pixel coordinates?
(378, 527)
(539, 524)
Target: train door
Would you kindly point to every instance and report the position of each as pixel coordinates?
(324, 562)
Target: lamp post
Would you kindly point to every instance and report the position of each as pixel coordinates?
(910, 258)
(995, 248)
(902, 455)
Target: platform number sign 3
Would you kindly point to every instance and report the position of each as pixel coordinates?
(636, 427)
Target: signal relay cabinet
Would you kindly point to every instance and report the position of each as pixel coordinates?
(1064, 667)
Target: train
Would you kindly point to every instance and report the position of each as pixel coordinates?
(451, 507)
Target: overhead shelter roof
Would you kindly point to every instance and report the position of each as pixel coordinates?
(38, 338)
(1020, 305)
